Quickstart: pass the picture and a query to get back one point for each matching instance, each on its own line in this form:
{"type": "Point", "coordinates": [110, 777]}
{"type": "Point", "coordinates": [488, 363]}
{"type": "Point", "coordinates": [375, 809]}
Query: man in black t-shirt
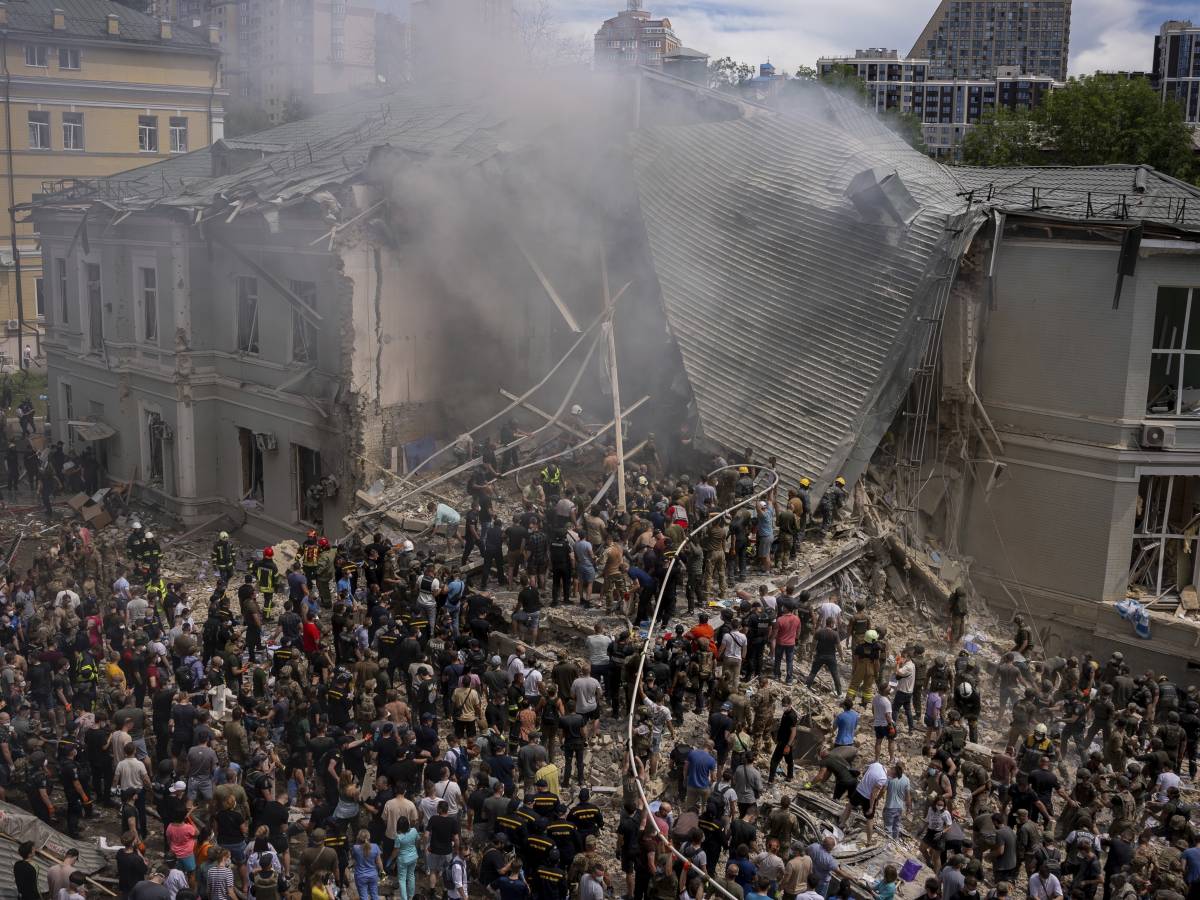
{"type": "Point", "coordinates": [442, 829]}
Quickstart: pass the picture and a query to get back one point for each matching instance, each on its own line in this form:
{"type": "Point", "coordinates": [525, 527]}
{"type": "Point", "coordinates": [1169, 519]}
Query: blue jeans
{"type": "Point", "coordinates": [406, 878]}
{"type": "Point", "coordinates": [891, 821]}
{"type": "Point", "coordinates": [368, 886]}
{"type": "Point", "coordinates": [782, 653]}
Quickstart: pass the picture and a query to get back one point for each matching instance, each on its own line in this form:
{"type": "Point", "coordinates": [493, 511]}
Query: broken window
{"type": "Point", "coordinates": [95, 306]}
{"type": "Point", "coordinates": [1174, 388]}
{"type": "Point", "coordinates": [1166, 524]}
{"type": "Point", "coordinates": [309, 493]}
{"type": "Point", "coordinates": [154, 445]}
{"type": "Point", "coordinates": [304, 334]}
{"type": "Point", "coordinates": [148, 134]}
{"type": "Point", "coordinates": [252, 465]}
{"type": "Point", "coordinates": [247, 313]}
{"type": "Point", "coordinates": [148, 283]}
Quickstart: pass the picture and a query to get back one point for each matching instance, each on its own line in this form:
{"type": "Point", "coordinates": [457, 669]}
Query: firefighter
{"type": "Point", "coordinates": [266, 574]}
{"type": "Point", "coordinates": [85, 678]}
{"type": "Point", "coordinates": [832, 502]}
{"type": "Point", "coordinates": [310, 555]}
{"type": "Point", "coordinates": [223, 557]}
{"type": "Point", "coordinates": [156, 593]}
{"type": "Point", "coordinates": [133, 543]}
{"type": "Point", "coordinates": [151, 553]}
{"type": "Point", "coordinates": [866, 668]}
{"type": "Point", "coordinates": [551, 479]}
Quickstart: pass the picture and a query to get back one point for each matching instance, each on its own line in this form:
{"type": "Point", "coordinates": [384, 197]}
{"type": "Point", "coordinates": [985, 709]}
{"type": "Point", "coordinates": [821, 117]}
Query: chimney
{"type": "Point", "coordinates": [214, 35]}
{"type": "Point", "coordinates": [59, 22]}
{"type": "Point", "coordinates": [113, 24]}
{"type": "Point", "coordinates": [4, 15]}
{"type": "Point", "coordinates": [164, 29]}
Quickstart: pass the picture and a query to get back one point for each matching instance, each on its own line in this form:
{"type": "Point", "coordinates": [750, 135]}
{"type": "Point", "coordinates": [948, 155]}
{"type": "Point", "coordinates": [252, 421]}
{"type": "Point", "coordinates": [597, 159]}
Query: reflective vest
{"type": "Point", "coordinates": [311, 556]}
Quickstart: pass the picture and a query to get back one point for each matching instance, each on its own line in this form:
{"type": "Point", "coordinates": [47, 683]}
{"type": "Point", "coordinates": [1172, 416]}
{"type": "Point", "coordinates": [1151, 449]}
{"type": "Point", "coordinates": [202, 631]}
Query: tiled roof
{"type": "Point", "coordinates": [89, 19]}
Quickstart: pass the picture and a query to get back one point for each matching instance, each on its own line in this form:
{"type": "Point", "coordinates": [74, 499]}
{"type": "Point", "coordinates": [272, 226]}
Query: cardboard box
{"type": "Point", "coordinates": [79, 501]}
{"type": "Point", "coordinates": [96, 517]}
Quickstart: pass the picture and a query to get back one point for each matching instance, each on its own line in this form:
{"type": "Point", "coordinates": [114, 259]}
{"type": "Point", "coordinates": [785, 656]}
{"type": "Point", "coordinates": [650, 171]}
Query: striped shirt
{"type": "Point", "coordinates": [220, 883]}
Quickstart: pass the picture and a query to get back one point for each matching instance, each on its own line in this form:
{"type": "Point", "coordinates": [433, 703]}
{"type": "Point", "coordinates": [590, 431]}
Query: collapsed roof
{"type": "Point", "coordinates": [801, 256]}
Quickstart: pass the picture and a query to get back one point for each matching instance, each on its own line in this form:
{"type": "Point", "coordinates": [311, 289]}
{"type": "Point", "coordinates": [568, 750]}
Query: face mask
{"type": "Point", "coordinates": [932, 771]}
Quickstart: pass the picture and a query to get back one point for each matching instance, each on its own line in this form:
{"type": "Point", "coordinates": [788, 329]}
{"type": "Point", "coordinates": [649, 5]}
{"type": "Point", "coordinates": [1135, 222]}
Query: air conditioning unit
{"type": "Point", "coordinates": [12, 325]}
{"type": "Point", "coordinates": [265, 441]}
{"type": "Point", "coordinates": [1158, 437]}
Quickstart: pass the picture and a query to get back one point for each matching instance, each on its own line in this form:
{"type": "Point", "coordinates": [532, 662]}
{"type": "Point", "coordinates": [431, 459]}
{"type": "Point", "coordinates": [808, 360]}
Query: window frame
{"type": "Point", "coordinates": [1158, 504]}
{"type": "Point", "coordinates": [95, 312]}
{"type": "Point", "coordinates": [175, 130]}
{"type": "Point", "coordinates": [147, 300]}
{"type": "Point", "coordinates": [303, 332]}
{"type": "Point", "coordinates": [39, 297]}
{"type": "Point", "coordinates": [1178, 357]}
{"type": "Point", "coordinates": [61, 276]}
{"type": "Point", "coordinates": [253, 337]}
{"type": "Point", "coordinates": [147, 134]}
{"type": "Point", "coordinates": [45, 54]}
{"type": "Point", "coordinates": [69, 51]}
{"type": "Point", "coordinates": [43, 127]}
{"type": "Point", "coordinates": [73, 126]}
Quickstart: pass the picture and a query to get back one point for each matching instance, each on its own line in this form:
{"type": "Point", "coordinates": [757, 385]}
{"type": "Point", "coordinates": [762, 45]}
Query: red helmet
{"type": "Point", "coordinates": [323, 543]}
{"type": "Point", "coordinates": [268, 552]}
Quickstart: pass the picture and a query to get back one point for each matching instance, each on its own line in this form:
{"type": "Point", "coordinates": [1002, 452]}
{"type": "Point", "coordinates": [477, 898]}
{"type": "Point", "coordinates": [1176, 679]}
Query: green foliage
{"type": "Point", "coordinates": [805, 73]}
{"type": "Point", "coordinates": [726, 75]}
{"type": "Point", "coordinates": [845, 78]}
{"type": "Point", "coordinates": [1094, 120]}
{"type": "Point", "coordinates": [243, 118]}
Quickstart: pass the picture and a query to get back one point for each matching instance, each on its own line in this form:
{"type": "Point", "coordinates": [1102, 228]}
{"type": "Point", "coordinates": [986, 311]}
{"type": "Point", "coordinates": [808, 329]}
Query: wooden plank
{"type": "Point", "coordinates": [1189, 599]}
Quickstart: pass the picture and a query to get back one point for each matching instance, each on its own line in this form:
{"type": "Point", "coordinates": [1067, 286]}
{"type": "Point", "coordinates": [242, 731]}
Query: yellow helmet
{"type": "Point", "coordinates": [840, 480]}
{"type": "Point", "coordinates": [743, 470]}
{"type": "Point", "coordinates": [805, 482]}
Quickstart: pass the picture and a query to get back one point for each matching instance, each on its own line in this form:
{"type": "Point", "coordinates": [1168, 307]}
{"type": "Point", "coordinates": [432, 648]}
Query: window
{"type": "Point", "coordinates": [35, 55]}
{"type": "Point", "coordinates": [154, 444]}
{"type": "Point", "coordinates": [179, 143]}
{"type": "Point", "coordinates": [60, 275]}
{"type": "Point", "coordinates": [39, 288]}
{"type": "Point", "coordinates": [1164, 533]}
{"type": "Point", "coordinates": [39, 131]}
{"type": "Point", "coordinates": [148, 134]}
{"type": "Point", "coordinates": [1174, 388]}
{"type": "Point", "coordinates": [72, 131]}
{"type": "Point", "coordinates": [68, 58]}
{"type": "Point", "coordinates": [309, 493]}
{"type": "Point", "coordinates": [148, 285]}
{"type": "Point", "coordinates": [68, 401]}
{"type": "Point", "coordinates": [252, 465]}
{"type": "Point", "coordinates": [95, 307]}
{"type": "Point", "coordinates": [304, 334]}
{"type": "Point", "coordinates": [247, 314]}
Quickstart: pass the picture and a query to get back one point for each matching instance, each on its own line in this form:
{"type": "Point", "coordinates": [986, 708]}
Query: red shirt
{"type": "Point", "coordinates": [787, 627]}
{"type": "Point", "coordinates": [310, 637]}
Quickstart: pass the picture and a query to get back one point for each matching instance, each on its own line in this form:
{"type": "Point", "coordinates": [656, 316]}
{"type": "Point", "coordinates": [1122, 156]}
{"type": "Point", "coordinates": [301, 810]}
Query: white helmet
{"type": "Point", "coordinates": [224, 536]}
{"type": "Point", "coordinates": [137, 526]}
{"type": "Point", "coordinates": [965, 689]}
{"type": "Point", "coordinates": [576, 409]}
{"type": "Point", "coordinates": [408, 546]}
{"type": "Point", "coordinates": [149, 535]}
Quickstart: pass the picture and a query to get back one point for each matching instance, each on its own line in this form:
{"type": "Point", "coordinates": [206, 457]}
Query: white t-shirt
{"type": "Point", "coordinates": [830, 614]}
{"type": "Point", "coordinates": [906, 677]}
{"type": "Point", "coordinates": [533, 682]}
{"type": "Point", "coordinates": [1044, 890]}
{"type": "Point", "coordinates": [874, 777]}
{"type": "Point", "coordinates": [732, 645]}
{"type": "Point", "coordinates": [1165, 781]}
{"type": "Point", "coordinates": [597, 648]}
{"type": "Point", "coordinates": [881, 706]}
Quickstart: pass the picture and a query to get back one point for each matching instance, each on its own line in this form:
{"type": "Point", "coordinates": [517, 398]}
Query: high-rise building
{"type": "Point", "coordinates": [633, 38]}
{"type": "Point", "coordinates": [94, 88]}
{"type": "Point", "coordinates": [973, 38]}
{"type": "Point", "coordinates": [946, 107]}
{"type": "Point", "coordinates": [1176, 73]}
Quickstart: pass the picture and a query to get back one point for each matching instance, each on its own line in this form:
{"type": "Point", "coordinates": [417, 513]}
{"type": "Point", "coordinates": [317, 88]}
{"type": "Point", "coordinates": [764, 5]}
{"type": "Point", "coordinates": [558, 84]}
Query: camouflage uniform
{"type": "Point", "coordinates": [763, 705]}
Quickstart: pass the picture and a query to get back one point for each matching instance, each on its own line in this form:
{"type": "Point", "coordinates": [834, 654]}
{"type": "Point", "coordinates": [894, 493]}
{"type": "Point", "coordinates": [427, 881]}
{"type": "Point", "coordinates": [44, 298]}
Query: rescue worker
{"type": "Point", "coordinates": [223, 557]}
{"type": "Point", "coordinates": [326, 556]}
{"type": "Point", "coordinates": [156, 594]}
{"type": "Point", "coordinates": [866, 668]}
{"type": "Point", "coordinates": [803, 507]}
{"type": "Point", "coordinates": [715, 537]}
{"type": "Point", "coordinates": [551, 476]}
{"type": "Point", "coordinates": [266, 574]}
{"type": "Point", "coordinates": [310, 555]}
{"type": "Point", "coordinates": [151, 553]}
{"type": "Point", "coordinates": [133, 543]}
{"type": "Point", "coordinates": [958, 614]}
{"type": "Point", "coordinates": [832, 502]}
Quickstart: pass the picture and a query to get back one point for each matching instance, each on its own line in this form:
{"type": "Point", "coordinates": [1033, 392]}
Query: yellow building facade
{"type": "Point", "coordinates": [90, 88]}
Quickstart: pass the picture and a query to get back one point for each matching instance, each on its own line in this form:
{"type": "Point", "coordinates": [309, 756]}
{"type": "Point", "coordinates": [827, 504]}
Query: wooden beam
{"type": "Point", "coordinates": [615, 383]}
{"type": "Point", "coordinates": [550, 291]}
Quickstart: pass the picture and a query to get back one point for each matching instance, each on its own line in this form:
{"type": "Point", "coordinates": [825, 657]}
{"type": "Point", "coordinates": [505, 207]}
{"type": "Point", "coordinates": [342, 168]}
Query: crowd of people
{"type": "Point", "coordinates": [369, 717]}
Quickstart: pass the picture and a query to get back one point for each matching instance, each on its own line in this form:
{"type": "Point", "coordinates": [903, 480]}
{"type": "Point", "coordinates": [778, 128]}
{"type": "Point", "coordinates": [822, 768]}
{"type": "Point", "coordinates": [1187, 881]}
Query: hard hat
{"type": "Point", "coordinates": [408, 546]}
{"type": "Point", "coordinates": [840, 480]}
{"type": "Point", "coordinates": [1041, 729]}
{"type": "Point", "coordinates": [149, 535]}
{"type": "Point", "coordinates": [805, 482]}
{"type": "Point", "coordinates": [872, 635]}
{"type": "Point", "coordinates": [323, 543]}
{"type": "Point", "coordinates": [137, 526]}
{"type": "Point", "coordinates": [224, 535]}
{"type": "Point", "coordinates": [576, 409]}
{"type": "Point", "coordinates": [743, 470]}
{"type": "Point", "coordinates": [642, 480]}
{"type": "Point", "coordinates": [268, 552]}
{"type": "Point", "coordinates": [965, 689]}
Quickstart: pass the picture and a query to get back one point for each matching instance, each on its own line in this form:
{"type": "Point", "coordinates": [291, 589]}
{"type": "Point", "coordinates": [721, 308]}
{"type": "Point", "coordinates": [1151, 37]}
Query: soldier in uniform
{"type": "Point", "coordinates": [763, 706]}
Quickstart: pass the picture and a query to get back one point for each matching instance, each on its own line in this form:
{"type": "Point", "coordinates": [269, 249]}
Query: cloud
{"type": "Point", "coordinates": [1105, 34]}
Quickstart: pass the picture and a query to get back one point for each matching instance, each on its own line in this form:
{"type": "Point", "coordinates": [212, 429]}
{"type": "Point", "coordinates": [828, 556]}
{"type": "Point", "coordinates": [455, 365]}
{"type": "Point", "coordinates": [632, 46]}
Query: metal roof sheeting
{"type": "Point", "coordinates": [797, 317]}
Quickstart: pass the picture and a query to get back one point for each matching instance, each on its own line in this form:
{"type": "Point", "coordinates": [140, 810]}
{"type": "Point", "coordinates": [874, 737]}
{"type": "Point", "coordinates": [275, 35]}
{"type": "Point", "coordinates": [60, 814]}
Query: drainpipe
{"type": "Point", "coordinates": [12, 197]}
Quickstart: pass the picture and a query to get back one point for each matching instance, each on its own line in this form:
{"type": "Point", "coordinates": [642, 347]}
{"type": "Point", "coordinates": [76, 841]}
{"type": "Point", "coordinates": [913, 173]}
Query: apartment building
{"type": "Point", "coordinates": [92, 88]}
{"type": "Point", "coordinates": [947, 108]}
{"type": "Point", "coordinates": [1176, 70]}
{"type": "Point", "coordinates": [633, 38]}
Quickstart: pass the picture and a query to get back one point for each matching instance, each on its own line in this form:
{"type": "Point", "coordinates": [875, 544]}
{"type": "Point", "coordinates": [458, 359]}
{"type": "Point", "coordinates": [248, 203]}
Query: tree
{"type": "Point", "coordinates": [726, 75]}
{"type": "Point", "coordinates": [805, 73]}
{"type": "Point", "coordinates": [1091, 121]}
{"type": "Point", "coordinates": [540, 39]}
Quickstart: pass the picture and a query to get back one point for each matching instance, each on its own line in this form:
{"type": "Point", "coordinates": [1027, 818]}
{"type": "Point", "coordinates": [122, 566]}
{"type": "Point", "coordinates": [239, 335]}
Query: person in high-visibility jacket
{"type": "Point", "coordinates": [223, 557]}
{"type": "Point", "coordinates": [156, 594]}
{"type": "Point", "coordinates": [151, 553]}
{"type": "Point", "coordinates": [266, 574]}
{"type": "Point", "coordinates": [310, 558]}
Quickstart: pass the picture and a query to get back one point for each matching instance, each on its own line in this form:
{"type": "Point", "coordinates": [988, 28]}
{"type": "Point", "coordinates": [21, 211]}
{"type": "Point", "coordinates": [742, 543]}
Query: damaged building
{"type": "Point", "coordinates": [1009, 359]}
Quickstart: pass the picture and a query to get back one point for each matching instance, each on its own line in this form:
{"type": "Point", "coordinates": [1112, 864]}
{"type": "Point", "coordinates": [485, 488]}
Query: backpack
{"type": "Point", "coordinates": [448, 873]}
{"type": "Point", "coordinates": [183, 677]}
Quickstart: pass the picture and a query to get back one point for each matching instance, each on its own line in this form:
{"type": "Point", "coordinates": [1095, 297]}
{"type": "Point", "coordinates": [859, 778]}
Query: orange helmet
{"type": "Point", "coordinates": [268, 552]}
{"type": "Point", "coordinates": [323, 543]}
